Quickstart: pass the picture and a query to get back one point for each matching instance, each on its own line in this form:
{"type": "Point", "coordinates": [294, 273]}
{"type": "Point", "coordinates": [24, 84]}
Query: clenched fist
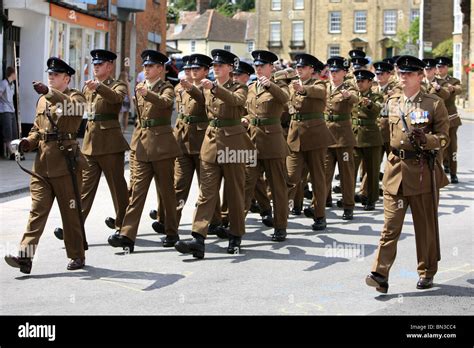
{"type": "Point", "coordinates": [40, 88]}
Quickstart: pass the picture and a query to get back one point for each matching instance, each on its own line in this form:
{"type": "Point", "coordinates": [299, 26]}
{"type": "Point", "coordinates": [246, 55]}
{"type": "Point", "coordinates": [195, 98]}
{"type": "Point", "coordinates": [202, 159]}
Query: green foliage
{"type": "Point", "coordinates": [444, 48]}
{"type": "Point", "coordinates": [225, 7]}
{"type": "Point", "coordinates": [409, 37]}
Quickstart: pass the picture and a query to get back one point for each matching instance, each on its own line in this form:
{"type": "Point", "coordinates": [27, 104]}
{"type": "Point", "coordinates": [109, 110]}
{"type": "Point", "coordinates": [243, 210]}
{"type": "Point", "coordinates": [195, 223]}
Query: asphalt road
{"type": "Point", "coordinates": [314, 273]}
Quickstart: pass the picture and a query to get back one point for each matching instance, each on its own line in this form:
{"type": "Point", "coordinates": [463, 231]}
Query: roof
{"type": "Point", "coordinates": [184, 19]}
{"type": "Point", "coordinates": [213, 26]}
{"type": "Point", "coordinates": [251, 19]}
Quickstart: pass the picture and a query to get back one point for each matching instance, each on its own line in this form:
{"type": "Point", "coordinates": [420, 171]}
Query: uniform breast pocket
{"type": "Point", "coordinates": [393, 121]}
{"type": "Point", "coordinates": [265, 104]}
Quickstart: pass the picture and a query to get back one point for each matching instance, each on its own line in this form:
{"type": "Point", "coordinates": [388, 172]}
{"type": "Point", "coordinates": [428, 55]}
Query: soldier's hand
{"type": "Point", "coordinates": [345, 94]}
{"type": "Point", "coordinates": [24, 145]}
{"type": "Point", "coordinates": [40, 88]}
{"type": "Point", "coordinates": [419, 135]}
{"type": "Point", "coordinates": [264, 81]}
{"type": "Point", "coordinates": [451, 89]}
{"type": "Point", "coordinates": [365, 101]}
{"type": "Point", "coordinates": [436, 86]}
{"type": "Point", "coordinates": [207, 84]}
{"type": "Point", "coordinates": [143, 90]}
{"type": "Point", "coordinates": [297, 85]}
{"type": "Point", "coordinates": [244, 122]}
{"type": "Point", "coordinates": [92, 84]}
{"type": "Point", "coordinates": [186, 84]}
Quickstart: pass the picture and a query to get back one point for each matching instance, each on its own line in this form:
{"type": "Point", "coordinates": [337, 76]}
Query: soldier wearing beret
{"type": "Point", "coordinates": [454, 88]}
{"type": "Point", "coordinates": [58, 161]}
{"type": "Point", "coordinates": [308, 137]}
{"type": "Point", "coordinates": [221, 156]}
{"type": "Point", "coordinates": [340, 101]}
{"type": "Point", "coordinates": [413, 175]}
{"type": "Point", "coordinates": [155, 150]}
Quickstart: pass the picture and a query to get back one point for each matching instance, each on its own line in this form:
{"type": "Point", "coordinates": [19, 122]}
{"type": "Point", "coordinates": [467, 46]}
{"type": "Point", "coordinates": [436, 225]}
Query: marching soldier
{"type": "Point", "coordinates": [265, 103]}
{"type": "Point", "coordinates": [104, 144]}
{"type": "Point", "coordinates": [341, 99]}
{"type": "Point", "coordinates": [450, 153]}
{"type": "Point", "coordinates": [413, 176]}
{"type": "Point", "coordinates": [367, 133]}
{"type": "Point", "coordinates": [308, 137]}
{"type": "Point", "coordinates": [58, 162]}
{"type": "Point", "coordinates": [155, 150]}
{"type": "Point", "coordinates": [432, 84]}
{"type": "Point", "coordinates": [225, 139]}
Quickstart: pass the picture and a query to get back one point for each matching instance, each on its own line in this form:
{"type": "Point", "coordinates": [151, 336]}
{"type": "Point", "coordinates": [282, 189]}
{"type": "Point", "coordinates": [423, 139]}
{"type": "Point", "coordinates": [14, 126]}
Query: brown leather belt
{"type": "Point", "coordinates": [56, 136]}
{"type": "Point", "coordinates": [405, 154]}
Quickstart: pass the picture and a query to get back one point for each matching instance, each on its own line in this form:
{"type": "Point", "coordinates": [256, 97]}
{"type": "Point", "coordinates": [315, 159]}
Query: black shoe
{"type": "Point", "coordinates": [348, 214]}
{"type": "Point", "coordinates": [170, 241]}
{"type": "Point", "coordinates": [158, 227]}
{"type": "Point", "coordinates": [358, 198]}
{"type": "Point", "coordinates": [369, 206]}
{"type": "Point", "coordinates": [234, 244]}
{"type": "Point", "coordinates": [153, 214]}
{"type": "Point", "coordinates": [339, 203]}
{"type": "Point", "coordinates": [120, 241]}
{"type": "Point", "coordinates": [22, 157]}
{"type": "Point", "coordinates": [308, 194]}
{"type": "Point", "coordinates": [23, 263]}
{"type": "Point", "coordinates": [337, 177]}
{"type": "Point", "coordinates": [110, 222]}
{"type": "Point", "coordinates": [377, 281]}
{"type": "Point", "coordinates": [319, 224]}
{"type": "Point", "coordinates": [76, 264]}
{"type": "Point", "coordinates": [267, 219]}
{"type": "Point", "coordinates": [454, 179]}
{"type": "Point", "coordinates": [194, 246]}
{"type": "Point", "coordinates": [424, 283]}
{"type": "Point", "coordinates": [447, 170]}
{"type": "Point", "coordinates": [329, 204]}
{"type": "Point", "coordinates": [337, 189]}
{"type": "Point", "coordinates": [309, 212]}
{"type": "Point", "coordinates": [279, 235]}
{"type": "Point", "coordinates": [225, 222]}
{"type": "Point", "coordinates": [296, 211]}
{"type": "Point", "coordinates": [59, 233]}
{"type": "Point", "coordinates": [217, 230]}
{"type": "Point", "coordinates": [254, 207]}
{"type": "Point", "coordinates": [12, 157]}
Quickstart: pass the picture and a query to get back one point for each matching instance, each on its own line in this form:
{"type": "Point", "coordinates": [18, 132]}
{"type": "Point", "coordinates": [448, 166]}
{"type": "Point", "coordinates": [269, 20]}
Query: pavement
{"type": "Point", "coordinates": [311, 273]}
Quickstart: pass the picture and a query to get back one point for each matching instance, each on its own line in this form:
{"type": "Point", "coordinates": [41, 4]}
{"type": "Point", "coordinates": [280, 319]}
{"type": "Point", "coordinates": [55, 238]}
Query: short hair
{"type": "Point", "coordinates": [9, 72]}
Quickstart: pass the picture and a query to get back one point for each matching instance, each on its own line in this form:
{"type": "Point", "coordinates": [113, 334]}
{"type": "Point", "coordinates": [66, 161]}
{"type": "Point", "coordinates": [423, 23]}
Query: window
{"type": "Point", "coordinates": [458, 17]}
{"type": "Point", "coordinates": [457, 63]}
{"type": "Point", "coordinates": [298, 4]}
{"type": "Point", "coordinates": [275, 31]}
{"type": "Point", "coordinates": [334, 0]}
{"type": "Point", "coordinates": [360, 21]}
{"type": "Point", "coordinates": [390, 21]}
{"type": "Point", "coordinates": [276, 5]}
{"type": "Point", "coordinates": [335, 22]}
{"type": "Point", "coordinates": [193, 46]}
{"type": "Point", "coordinates": [334, 50]}
{"type": "Point", "coordinates": [298, 31]}
{"type": "Point", "coordinates": [227, 48]}
{"type": "Point", "coordinates": [250, 46]}
{"type": "Point", "coordinates": [414, 14]}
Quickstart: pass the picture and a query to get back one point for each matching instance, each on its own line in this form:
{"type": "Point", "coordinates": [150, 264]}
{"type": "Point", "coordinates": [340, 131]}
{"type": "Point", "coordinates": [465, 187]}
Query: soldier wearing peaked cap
{"type": "Point", "coordinates": [242, 72]}
{"type": "Point", "coordinates": [58, 161]}
{"type": "Point", "coordinates": [154, 150]}
{"type": "Point", "coordinates": [357, 54]}
{"type": "Point", "coordinates": [413, 175]}
{"type": "Point", "coordinates": [265, 103]}
{"type": "Point", "coordinates": [433, 84]}
{"type": "Point", "coordinates": [225, 139]}
{"type": "Point", "coordinates": [340, 101]}
{"type": "Point", "coordinates": [450, 154]}
{"type": "Point", "coordinates": [308, 137]}
{"type": "Point", "coordinates": [367, 133]}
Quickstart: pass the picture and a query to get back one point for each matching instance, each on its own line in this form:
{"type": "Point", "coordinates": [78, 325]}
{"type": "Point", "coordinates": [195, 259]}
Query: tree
{"type": "Point", "coordinates": [407, 41]}
{"type": "Point", "coordinates": [444, 49]}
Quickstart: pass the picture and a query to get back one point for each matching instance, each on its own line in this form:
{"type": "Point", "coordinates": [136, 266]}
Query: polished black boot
{"type": "Point", "coordinates": [254, 207]}
{"type": "Point", "coordinates": [296, 211]}
{"type": "Point", "coordinates": [454, 179]}
{"type": "Point", "coordinates": [329, 203]}
{"type": "Point", "coordinates": [348, 214]}
{"type": "Point", "coordinates": [76, 264]}
{"type": "Point", "coordinates": [23, 263]}
{"type": "Point", "coordinates": [59, 233]}
{"type": "Point", "coordinates": [153, 214]}
{"type": "Point", "coordinates": [337, 189]}
{"type": "Point", "coordinates": [319, 224]}
{"type": "Point", "coordinates": [158, 227]}
{"type": "Point", "coordinates": [194, 246]}
{"type": "Point", "coordinates": [218, 230]}
{"type": "Point", "coordinates": [424, 283]}
{"type": "Point", "coordinates": [120, 241]}
{"type": "Point", "coordinates": [110, 222]}
{"type": "Point", "coordinates": [369, 206]}
{"type": "Point", "coordinates": [358, 198]}
{"type": "Point", "coordinates": [279, 235]}
{"type": "Point", "coordinates": [447, 170]}
{"type": "Point", "coordinates": [308, 194]}
{"type": "Point", "coordinates": [267, 218]}
{"type": "Point", "coordinates": [234, 244]}
{"type": "Point", "coordinates": [379, 282]}
{"type": "Point", "coordinates": [340, 203]}
{"type": "Point", "coordinates": [170, 241]}
{"type": "Point", "coordinates": [309, 212]}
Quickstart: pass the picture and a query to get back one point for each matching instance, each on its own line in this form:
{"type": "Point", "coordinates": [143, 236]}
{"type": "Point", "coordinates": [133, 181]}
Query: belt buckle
{"type": "Point", "coordinates": [401, 154]}
{"type": "Point", "coordinates": [187, 119]}
{"type": "Point", "coordinates": [298, 117]}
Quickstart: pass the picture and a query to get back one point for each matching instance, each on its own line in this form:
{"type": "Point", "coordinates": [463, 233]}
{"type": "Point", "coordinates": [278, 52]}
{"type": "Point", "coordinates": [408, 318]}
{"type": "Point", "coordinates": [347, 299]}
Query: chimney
{"type": "Point", "coordinates": [202, 6]}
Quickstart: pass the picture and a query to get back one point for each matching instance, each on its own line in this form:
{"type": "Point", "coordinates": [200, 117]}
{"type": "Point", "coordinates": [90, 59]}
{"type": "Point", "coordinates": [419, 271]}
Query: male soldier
{"type": "Point", "coordinates": [104, 144]}
{"type": "Point", "coordinates": [155, 150]}
{"type": "Point", "coordinates": [341, 99]}
{"type": "Point", "coordinates": [308, 137]}
{"type": "Point", "coordinates": [433, 84]}
{"type": "Point", "coordinates": [367, 134]}
{"type": "Point", "coordinates": [265, 103]}
{"type": "Point", "coordinates": [58, 161]}
{"type": "Point", "coordinates": [242, 73]}
{"type": "Point", "coordinates": [225, 139]}
{"type": "Point", "coordinates": [413, 176]}
{"type": "Point", "coordinates": [451, 152]}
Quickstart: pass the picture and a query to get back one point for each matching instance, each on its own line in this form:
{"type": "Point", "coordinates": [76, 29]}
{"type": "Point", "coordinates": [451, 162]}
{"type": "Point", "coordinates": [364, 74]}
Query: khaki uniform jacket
{"type": "Point", "coordinates": [104, 137]}
{"type": "Point", "coordinates": [50, 161]}
{"type": "Point", "coordinates": [428, 88]}
{"type": "Point", "coordinates": [338, 105]}
{"type": "Point", "coordinates": [368, 135]}
{"type": "Point", "coordinates": [411, 174]}
{"type": "Point", "coordinates": [225, 102]}
{"type": "Point", "coordinates": [155, 143]}
{"type": "Point", "coordinates": [263, 104]}
{"type": "Point", "coordinates": [311, 134]}
{"type": "Point", "coordinates": [390, 89]}
{"type": "Point", "coordinates": [191, 136]}
{"type": "Point", "coordinates": [451, 101]}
